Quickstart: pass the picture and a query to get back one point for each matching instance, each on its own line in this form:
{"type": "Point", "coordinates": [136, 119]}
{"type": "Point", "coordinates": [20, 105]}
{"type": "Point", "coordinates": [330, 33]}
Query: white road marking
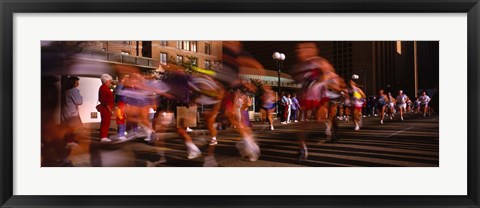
{"type": "Point", "coordinates": [398, 132]}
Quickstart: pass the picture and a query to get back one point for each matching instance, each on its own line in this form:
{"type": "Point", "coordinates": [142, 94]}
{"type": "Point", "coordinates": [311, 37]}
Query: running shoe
{"type": "Point", "coordinates": [193, 151]}
{"type": "Point", "coordinates": [105, 140]}
{"type": "Point", "coordinates": [192, 154]}
{"type": "Point", "coordinates": [213, 141]}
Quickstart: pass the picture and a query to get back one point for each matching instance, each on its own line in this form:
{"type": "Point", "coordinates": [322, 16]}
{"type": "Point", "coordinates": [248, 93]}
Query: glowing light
{"type": "Point", "coordinates": [399, 47]}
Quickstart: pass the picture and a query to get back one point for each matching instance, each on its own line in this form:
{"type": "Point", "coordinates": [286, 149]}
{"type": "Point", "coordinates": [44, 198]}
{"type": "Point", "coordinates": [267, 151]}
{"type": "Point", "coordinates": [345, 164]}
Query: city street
{"type": "Point", "coordinates": [413, 143]}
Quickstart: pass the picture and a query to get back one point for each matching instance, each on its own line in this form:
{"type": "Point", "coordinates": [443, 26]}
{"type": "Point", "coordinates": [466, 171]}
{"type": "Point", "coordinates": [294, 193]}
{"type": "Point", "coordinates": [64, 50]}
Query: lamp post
{"type": "Point", "coordinates": [278, 57]}
{"type": "Point", "coordinates": [415, 67]}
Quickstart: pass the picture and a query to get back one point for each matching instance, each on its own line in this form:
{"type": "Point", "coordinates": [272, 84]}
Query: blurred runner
{"type": "Point", "coordinates": [234, 58]}
{"type": "Point", "coordinates": [382, 104]}
{"type": "Point", "coordinates": [391, 105]}
{"type": "Point", "coordinates": [402, 103]}
{"type": "Point", "coordinates": [358, 98]}
{"type": "Point", "coordinates": [320, 84]}
{"type": "Point", "coordinates": [424, 99]}
{"type": "Point", "coordinates": [267, 103]}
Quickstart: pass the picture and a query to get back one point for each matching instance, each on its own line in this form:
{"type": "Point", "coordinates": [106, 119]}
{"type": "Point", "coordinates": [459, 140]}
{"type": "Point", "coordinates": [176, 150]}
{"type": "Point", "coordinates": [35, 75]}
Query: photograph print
{"type": "Point", "coordinates": [239, 103]}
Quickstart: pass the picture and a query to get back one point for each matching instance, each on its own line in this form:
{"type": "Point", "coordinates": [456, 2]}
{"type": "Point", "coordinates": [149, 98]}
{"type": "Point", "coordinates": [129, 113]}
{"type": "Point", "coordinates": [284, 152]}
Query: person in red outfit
{"type": "Point", "coordinates": [105, 97]}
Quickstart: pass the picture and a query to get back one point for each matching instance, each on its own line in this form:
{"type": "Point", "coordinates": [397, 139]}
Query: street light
{"type": "Point", "coordinates": [278, 57]}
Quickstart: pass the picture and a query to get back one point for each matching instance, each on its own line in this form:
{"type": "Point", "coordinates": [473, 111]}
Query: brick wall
{"type": "Point", "coordinates": [158, 47]}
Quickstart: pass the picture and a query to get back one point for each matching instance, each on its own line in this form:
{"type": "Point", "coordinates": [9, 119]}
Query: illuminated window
{"type": "Point", "coordinates": [186, 45]}
{"type": "Point", "coordinates": [125, 53]}
{"type": "Point", "coordinates": [163, 58]}
{"type": "Point", "coordinates": [194, 46]}
{"type": "Point", "coordinates": [179, 59]}
{"type": "Point", "coordinates": [399, 47]}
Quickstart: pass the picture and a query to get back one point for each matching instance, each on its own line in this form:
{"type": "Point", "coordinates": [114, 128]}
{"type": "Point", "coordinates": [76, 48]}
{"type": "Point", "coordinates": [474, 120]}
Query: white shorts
{"type": "Point", "coordinates": [404, 105]}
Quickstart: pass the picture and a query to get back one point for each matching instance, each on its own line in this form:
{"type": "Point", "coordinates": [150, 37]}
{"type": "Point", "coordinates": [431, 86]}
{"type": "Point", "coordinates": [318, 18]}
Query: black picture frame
{"type": "Point", "coordinates": [10, 7]}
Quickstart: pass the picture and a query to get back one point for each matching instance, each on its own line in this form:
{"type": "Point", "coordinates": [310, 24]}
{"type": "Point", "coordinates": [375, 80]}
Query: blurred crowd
{"type": "Point", "coordinates": [141, 103]}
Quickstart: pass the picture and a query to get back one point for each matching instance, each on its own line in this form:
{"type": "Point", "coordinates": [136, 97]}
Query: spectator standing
{"type": "Point", "coordinates": [105, 97]}
{"type": "Point", "coordinates": [289, 108]}
{"type": "Point", "coordinates": [295, 108]}
{"type": "Point", "coordinates": [70, 114]}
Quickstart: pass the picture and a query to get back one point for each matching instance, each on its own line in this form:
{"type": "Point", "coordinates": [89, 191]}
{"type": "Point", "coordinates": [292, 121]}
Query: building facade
{"type": "Point", "coordinates": [389, 65]}
{"type": "Point", "coordinates": [203, 54]}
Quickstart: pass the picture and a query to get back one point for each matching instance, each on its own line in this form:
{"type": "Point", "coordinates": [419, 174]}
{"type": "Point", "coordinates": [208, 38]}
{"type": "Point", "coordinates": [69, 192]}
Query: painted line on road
{"type": "Point", "coordinates": [398, 132]}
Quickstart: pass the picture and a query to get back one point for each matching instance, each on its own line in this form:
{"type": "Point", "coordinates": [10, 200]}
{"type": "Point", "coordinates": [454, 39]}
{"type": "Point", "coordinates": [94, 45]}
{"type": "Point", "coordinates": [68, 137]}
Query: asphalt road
{"type": "Point", "coordinates": [413, 142]}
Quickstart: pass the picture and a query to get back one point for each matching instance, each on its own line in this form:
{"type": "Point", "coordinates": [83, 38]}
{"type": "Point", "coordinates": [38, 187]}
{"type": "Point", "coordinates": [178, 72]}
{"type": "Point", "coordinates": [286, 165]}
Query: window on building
{"type": "Point", "coordinates": [179, 44]}
{"type": "Point", "coordinates": [193, 46]}
{"type": "Point", "coordinates": [194, 61]}
{"type": "Point", "coordinates": [126, 42]}
{"type": "Point", "coordinates": [207, 49]}
{"type": "Point", "coordinates": [163, 43]}
{"type": "Point", "coordinates": [125, 53]}
{"type": "Point", "coordinates": [179, 59]}
{"type": "Point", "coordinates": [163, 58]}
{"type": "Point", "coordinates": [186, 45]}
{"type": "Point", "coordinates": [207, 64]}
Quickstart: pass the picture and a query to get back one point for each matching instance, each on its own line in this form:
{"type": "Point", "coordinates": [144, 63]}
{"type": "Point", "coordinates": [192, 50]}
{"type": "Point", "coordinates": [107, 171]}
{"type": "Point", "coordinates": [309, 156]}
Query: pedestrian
{"type": "Point", "coordinates": [288, 108]}
{"type": "Point", "coordinates": [295, 108]}
{"type": "Point", "coordinates": [105, 97]}
{"type": "Point", "coordinates": [381, 104]}
{"type": "Point", "coordinates": [424, 99]}
{"type": "Point", "coordinates": [73, 99]}
{"type": "Point", "coordinates": [402, 103]}
{"type": "Point", "coordinates": [317, 77]}
{"type": "Point", "coordinates": [267, 103]}
{"type": "Point", "coordinates": [391, 105]}
{"type": "Point", "coordinates": [246, 103]}
{"type": "Point", "coordinates": [358, 98]}
{"type": "Point", "coordinates": [235, 57]}
{"type": "Point", "coordinates": [70, 116]}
